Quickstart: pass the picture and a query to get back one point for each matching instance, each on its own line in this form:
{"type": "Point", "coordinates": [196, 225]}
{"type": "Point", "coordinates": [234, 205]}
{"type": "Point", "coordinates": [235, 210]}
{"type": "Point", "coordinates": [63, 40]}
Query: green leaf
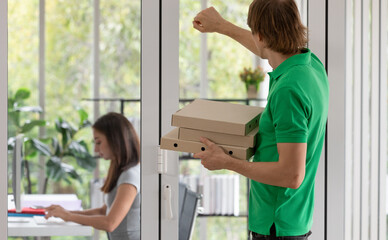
{"type": "Point", "coordinates": [22, 94]}
{"type": "Point", "coordinates": [54, 169]}
{"type": "Point", "coordinates": [58, 170]}
{"type": "Point", "coordinates": [56, 146]}
{"type": "Point", "coordinates": [65, 129]}
{"type": "Point", "coordinates": [14, 118]}
{"type": "Point", "coordinates": [70, 171]}
{"type": "Point", "coordinates": [88, 163]}
{"type": "Point", "coordinates": [11, 103]}
{"type": "Point", "coordinates": [83, 115]}
{"type": "Point", "coordinates": [40, 147]}
{"type": "Point", "coordinates": [79, 150]}
{"type": "Point", "coordinates": [31, 154]}
{"type": "Point", "coordinates": [85, 124]}
{"type": "Point", "coordinates": [31, 124]}
{"type": "Point", "coordinates": [29, 151]}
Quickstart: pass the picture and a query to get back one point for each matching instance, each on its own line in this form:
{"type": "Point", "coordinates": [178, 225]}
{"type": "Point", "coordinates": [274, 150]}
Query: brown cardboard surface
{"type": "Point", "coordinates": [216, 116]}
{"type": "Point", "coordinates": [220, 138]}
{"type": "Point", "coordinates": [170, 141]}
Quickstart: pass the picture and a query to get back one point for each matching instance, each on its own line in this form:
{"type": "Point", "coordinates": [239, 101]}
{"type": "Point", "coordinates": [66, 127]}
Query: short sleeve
{"type": "Point", "coordinates": [290, 112]}
{"type": "Point", "coordinates": [130, 176]}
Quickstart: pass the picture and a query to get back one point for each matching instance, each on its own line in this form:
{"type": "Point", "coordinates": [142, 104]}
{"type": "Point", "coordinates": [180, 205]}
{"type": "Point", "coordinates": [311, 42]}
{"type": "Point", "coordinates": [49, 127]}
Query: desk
{"type": "Point", "coordinates": [32, 229]}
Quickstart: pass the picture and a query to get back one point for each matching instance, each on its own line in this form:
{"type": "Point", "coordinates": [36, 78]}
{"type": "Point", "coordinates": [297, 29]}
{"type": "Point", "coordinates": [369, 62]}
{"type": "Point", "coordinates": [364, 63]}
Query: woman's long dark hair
{"type": "Point", "coordinates": [123, 142]}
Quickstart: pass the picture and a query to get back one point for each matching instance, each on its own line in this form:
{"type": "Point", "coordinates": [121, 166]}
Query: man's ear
{"type": "Point", "coordinates": [257, 37]}
{"type": "Point", "coordinates": [260, 38]}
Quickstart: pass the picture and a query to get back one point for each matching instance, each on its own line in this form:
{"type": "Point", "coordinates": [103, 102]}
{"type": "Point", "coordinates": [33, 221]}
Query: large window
{"type": "Point", "coordinates": [68, 66]}
{"type": "Point", "coordinates": [120, 53]}
{"type": "Point", "coordinates": [223, 57]}
{"type": "Point", "coordinates": [55, 54]}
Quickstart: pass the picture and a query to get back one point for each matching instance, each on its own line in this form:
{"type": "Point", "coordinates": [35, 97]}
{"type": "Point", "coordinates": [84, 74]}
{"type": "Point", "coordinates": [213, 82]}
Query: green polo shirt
{"type": "Point", "coordinates": [296, 112]}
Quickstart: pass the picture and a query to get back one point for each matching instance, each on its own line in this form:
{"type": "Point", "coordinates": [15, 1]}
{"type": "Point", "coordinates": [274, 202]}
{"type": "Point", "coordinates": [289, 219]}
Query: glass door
{"type": "Point", "coordinates": [210, 67]}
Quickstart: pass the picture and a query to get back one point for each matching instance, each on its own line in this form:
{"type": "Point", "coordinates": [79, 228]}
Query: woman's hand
{"type": "Point", "coordinates": [57, 211]}
{"type": "Point", "coordinates": [214, 157]}
{"type": "Point", "coordinates": [209, 20]}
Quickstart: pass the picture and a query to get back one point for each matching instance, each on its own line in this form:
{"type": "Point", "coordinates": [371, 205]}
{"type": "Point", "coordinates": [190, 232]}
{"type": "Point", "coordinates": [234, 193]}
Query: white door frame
{"type": "Point", "coordinates": [4, 116]}
{"type": "Point", "coordinates": [316, 11]}
{"type": "Point", "coordinates": [159, 99]}
{"type": "Point", "coordinates": [169, 105]}
{"type": "Point", "coordinates": [149, 130]}
{"type": "Point", "coordinates": [336, 67]}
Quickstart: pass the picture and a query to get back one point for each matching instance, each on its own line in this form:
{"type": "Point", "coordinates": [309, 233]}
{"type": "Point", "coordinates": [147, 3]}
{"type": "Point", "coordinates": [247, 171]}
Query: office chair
{"type": "Point", "coordinates": [188, 201]}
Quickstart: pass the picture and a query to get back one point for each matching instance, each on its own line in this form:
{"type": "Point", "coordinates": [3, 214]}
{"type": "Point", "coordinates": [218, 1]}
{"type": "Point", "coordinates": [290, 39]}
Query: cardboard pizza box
{"type": "Point", "coordinates": [219, 138]}
{"type": "Point", "coordinates": [217, 116]}
{"type": "Point", "coordinates": [170, 141]}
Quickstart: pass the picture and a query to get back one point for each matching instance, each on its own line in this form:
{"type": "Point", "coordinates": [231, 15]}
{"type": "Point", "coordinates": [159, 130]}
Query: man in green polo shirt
{"type": "Point", "coordinates": [292, 126]}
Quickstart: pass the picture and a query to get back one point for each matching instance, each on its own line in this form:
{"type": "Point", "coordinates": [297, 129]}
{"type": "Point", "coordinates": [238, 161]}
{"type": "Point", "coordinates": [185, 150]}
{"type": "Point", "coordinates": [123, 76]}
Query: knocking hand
{"type": "Point", "coordinates": [208, 20]}
{"type": "Point", "coordinates": [214, 157]}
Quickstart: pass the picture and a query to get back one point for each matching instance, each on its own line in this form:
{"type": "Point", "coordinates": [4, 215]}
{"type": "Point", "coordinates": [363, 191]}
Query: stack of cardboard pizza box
{"type": "Point", "coordinates": [232, 126]}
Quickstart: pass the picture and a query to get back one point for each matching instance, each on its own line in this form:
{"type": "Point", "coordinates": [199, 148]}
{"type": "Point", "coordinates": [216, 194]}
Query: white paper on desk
{"type": "Point", "coordinates": [19, 219]}
{"type": "Point", "coordinates": [67, 201]}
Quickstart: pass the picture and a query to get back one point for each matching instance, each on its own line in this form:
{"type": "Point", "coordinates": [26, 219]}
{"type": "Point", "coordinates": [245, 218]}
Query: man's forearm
{"type": "Point", "coordinates": [241, 35]}
{"type": "Point", "coordinates": [272, 173]}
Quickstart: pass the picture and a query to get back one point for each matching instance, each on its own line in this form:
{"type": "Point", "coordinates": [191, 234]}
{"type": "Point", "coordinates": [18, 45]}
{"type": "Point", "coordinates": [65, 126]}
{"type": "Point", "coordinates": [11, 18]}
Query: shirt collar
{"type": "Point", "coordinates": [298, 59]}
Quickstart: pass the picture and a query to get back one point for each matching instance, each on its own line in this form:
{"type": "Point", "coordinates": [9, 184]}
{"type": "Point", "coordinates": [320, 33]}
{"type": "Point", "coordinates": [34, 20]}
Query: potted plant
{"type": "Point", "coordinates": [252, 80]}
{"type": "Point", "coordinates": [24, 119]}
{"type": "Point", "coordinates": [63, 151]}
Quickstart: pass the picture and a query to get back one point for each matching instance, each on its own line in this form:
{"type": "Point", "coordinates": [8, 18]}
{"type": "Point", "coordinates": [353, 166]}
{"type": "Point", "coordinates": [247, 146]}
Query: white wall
{"type": "Point", "coordinates": [336, 120]}
{"type": "Point", "coordinates": [149, 119]}
{"type": "Point", "coordinates": [3, 118]}
{"type": "Point", "coordinates": [317, 44]}
{"type": "Point", "coordinates": [169, 105]}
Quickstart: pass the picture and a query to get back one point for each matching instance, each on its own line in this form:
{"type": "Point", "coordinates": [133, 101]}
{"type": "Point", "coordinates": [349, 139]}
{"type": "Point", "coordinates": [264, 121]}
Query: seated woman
{"type": "Point", "coordinates": [115, 140]}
